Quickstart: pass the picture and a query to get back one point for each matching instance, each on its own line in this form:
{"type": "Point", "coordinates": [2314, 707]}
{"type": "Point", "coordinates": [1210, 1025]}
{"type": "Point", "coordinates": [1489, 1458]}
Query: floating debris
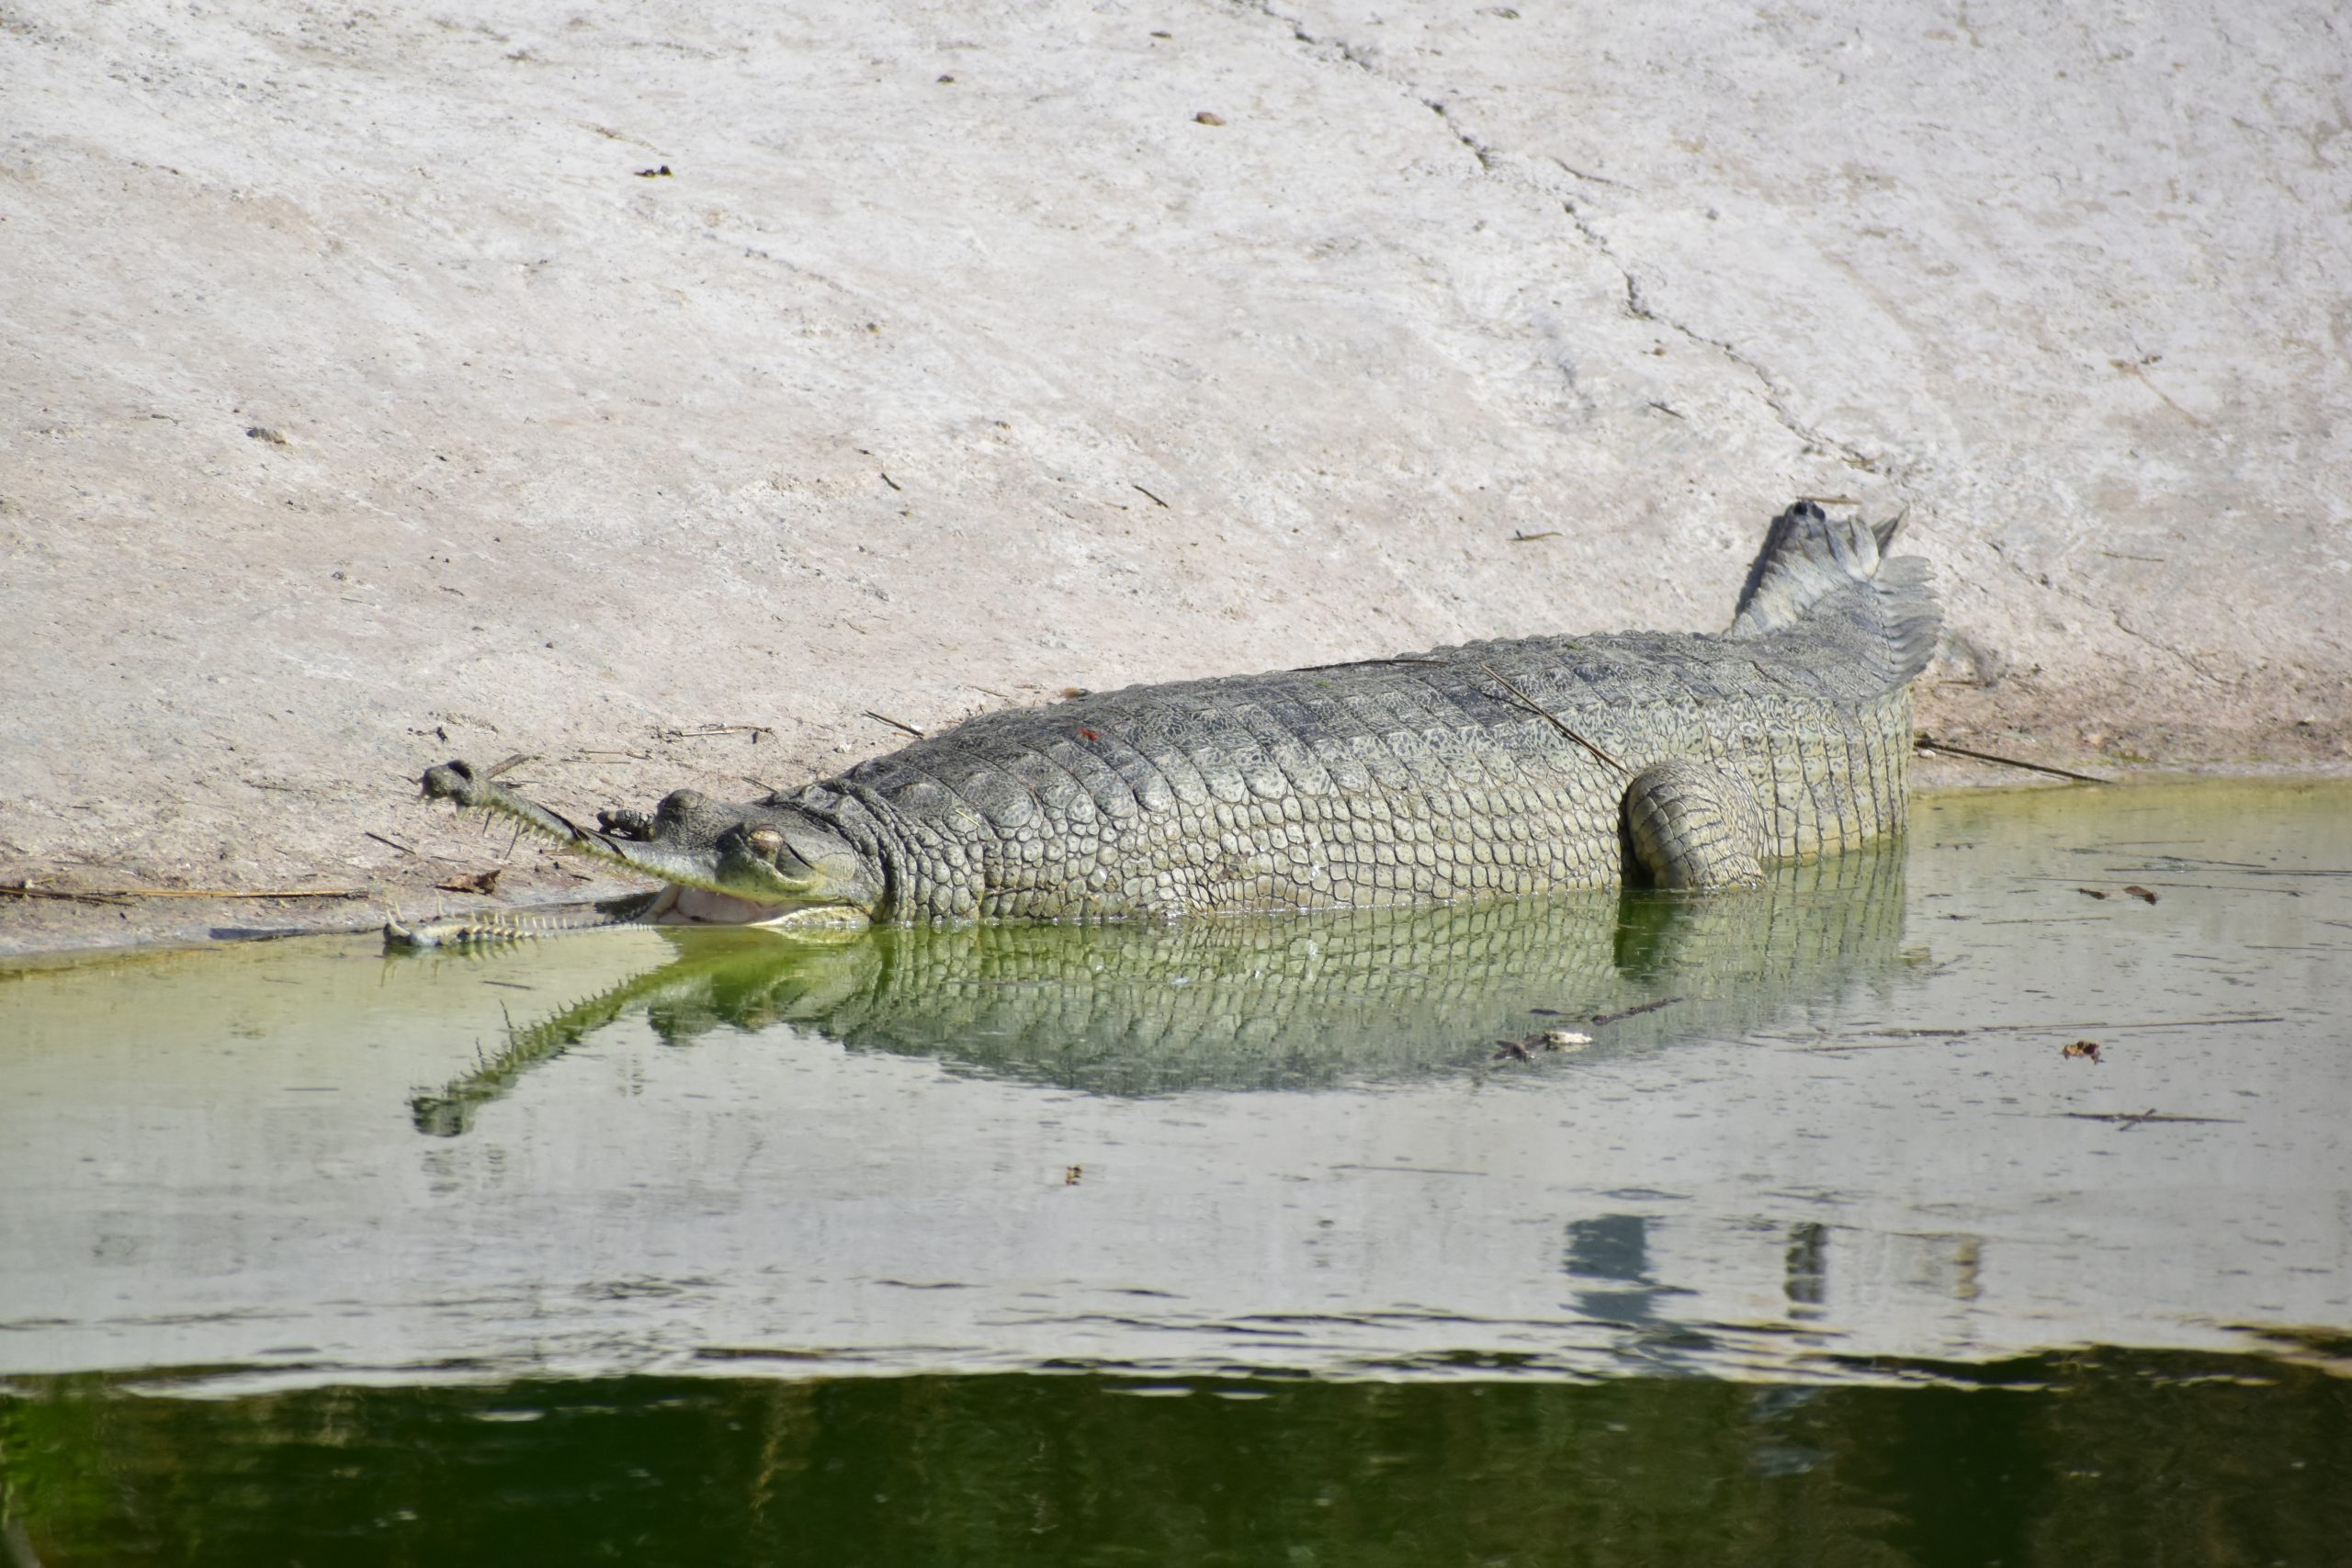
{"type": "Point", "coordinates": [2128, 1120]}
{"type": "Point", "coordinates": [1524, 1048]}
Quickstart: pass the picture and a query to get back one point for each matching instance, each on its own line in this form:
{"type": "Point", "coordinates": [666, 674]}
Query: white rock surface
{"type": "Point", "coordinates": [370, 396]}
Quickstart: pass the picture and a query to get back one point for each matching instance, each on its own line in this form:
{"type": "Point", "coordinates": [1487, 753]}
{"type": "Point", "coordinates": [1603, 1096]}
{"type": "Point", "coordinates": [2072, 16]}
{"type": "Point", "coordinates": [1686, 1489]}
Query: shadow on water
{"type": "Point", "coordinates": [2093, 1457]}
{"type": "Point", "coordinates": [1258, 1002]}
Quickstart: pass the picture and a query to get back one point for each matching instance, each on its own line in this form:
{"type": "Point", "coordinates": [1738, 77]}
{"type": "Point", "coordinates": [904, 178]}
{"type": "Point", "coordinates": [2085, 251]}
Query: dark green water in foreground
{"type": "Point", "coordinates": [2094, 1458]}
{"type": "Point", "coordinates": [1229, 1245]}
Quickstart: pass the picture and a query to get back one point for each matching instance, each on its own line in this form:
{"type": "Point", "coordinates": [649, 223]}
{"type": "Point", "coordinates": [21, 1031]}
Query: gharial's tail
{"type": "Point", "coordinates": [1812, 568]}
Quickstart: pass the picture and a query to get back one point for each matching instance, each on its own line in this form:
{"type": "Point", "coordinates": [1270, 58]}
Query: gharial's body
{"type": "Point", "coordinates": [1491, 769]}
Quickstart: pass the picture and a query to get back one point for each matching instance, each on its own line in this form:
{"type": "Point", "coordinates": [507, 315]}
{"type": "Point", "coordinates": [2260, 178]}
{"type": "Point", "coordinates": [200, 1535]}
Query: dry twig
{"type": "Point", "coordinates": [1923, 741]}
{"type": "Point", "coordinates": [26, 890]}
{"type": "Point", "coordinates": [2128, 1120]}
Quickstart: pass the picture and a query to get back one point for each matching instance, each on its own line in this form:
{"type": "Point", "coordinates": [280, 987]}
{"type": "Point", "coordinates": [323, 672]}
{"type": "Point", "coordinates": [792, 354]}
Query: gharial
{"type": "Point", "coordinates": [1493, 769]}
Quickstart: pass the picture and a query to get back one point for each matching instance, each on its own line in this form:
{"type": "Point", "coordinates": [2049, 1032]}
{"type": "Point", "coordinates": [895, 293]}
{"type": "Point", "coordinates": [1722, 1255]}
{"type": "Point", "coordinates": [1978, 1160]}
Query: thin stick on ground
{"type": "Point", "coordinates": [1548, 717]}
{"type": "Point", "coordinates": [1923, 741]}
{"type": "Point", "coordinates": [123, 895]}
{"type": "Point", "coordinates": [705, 731]}
{"type": "Point", "coordinates": [28, 890]}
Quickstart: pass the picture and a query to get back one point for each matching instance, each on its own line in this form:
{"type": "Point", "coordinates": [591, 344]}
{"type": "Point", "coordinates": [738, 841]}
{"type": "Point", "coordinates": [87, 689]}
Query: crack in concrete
{"type": "Point", "coordinates": [1491, 164]}
{"type": "Point", "coordinates": [1769, 394]}
{"type": "Point", "coordinates": [2114, 614]}
{"type": "Point", "coordinates": [1588, 178]}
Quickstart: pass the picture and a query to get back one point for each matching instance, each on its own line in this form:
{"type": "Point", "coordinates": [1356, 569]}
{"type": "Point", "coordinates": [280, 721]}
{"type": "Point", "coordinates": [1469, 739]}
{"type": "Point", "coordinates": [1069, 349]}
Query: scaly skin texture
{"type": "Point", "coordinates": [1487, 770]}
{"type": "Point", "coordinates": [1373, 784]}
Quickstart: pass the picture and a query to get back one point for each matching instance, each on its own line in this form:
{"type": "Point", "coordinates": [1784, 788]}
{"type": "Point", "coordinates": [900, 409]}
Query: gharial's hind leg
{"type": "Point", "coordinates": [1695, 826]}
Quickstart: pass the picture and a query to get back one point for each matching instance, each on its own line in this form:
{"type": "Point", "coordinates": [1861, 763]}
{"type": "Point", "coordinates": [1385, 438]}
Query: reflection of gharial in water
{"type": "Point", "coordinates": [1270, 1001]}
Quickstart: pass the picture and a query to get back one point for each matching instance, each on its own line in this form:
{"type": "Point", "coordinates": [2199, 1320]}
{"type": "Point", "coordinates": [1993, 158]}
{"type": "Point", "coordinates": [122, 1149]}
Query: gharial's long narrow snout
{"type": "Point", "coordinates": [468, 785]}
{"type": "Point", "coordinates": [779, 860]}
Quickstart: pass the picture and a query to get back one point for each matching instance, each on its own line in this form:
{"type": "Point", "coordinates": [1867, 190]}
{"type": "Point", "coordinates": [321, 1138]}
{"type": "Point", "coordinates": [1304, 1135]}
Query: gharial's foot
{"type": "Point", "coordinates": [1695, 826]}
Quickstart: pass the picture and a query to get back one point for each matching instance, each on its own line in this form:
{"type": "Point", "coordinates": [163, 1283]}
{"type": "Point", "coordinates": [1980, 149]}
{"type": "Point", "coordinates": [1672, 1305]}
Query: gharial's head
{"type": "Point", "coordinates": [728, 865]}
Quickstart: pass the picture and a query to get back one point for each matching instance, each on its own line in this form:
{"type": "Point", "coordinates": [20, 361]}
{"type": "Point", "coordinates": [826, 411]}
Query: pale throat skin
{"type": "Point", "coordinates": [1490, 769]}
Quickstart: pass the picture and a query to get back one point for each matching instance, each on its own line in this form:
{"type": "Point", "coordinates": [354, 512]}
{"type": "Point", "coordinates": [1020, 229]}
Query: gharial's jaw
{"type": "Point", "coordinates": [778, 860]}
{"type": "Point", "coordinates": [468, 786]}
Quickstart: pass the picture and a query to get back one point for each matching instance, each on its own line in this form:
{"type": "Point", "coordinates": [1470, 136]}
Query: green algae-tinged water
{"type": "Point", "coordinates": [1234, 1244]}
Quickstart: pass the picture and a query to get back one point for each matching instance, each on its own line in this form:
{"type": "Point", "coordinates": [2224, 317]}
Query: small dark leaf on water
{"type": "Point", "coordinates": [1205, 118]}
{"type": "Point", "coordinates": [2094, 892]}
{"type": "Point", "coordinates": [472, 881]}
{"type": "Point", "coordinates": [2139, 892]}
{"type": "Point", "coordinates": [1073, 1176]}
{"type": "Point", "coordinates": [662, 172]}
{"type": "Point", "coordinates": [2084, 1048]}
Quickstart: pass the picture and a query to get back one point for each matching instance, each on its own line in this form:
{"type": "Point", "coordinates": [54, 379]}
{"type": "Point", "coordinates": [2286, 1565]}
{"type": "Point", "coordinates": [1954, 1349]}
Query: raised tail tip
{"type": "Point", "coordinates": [1807, 557]}
{"type": "Point", "coordinates": [1813, 564]}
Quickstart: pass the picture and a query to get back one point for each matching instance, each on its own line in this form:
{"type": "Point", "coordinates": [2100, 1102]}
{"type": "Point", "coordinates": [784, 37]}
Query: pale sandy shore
{"type": "Point", "coordinates": [662, 396]}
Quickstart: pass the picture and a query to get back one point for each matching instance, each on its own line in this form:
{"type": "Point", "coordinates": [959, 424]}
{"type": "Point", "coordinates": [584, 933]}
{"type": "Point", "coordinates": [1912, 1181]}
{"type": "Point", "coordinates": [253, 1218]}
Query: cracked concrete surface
{"type": "Point", "coordinates": [371, 395]}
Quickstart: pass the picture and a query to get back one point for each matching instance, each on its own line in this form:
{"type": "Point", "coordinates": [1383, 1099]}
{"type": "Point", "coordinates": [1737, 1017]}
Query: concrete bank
{"type": "Point", "coordinates": [664, 398]}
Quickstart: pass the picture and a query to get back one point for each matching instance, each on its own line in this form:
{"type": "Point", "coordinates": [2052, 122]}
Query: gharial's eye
{"type": "Point", "coordinates": [767, 840]}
